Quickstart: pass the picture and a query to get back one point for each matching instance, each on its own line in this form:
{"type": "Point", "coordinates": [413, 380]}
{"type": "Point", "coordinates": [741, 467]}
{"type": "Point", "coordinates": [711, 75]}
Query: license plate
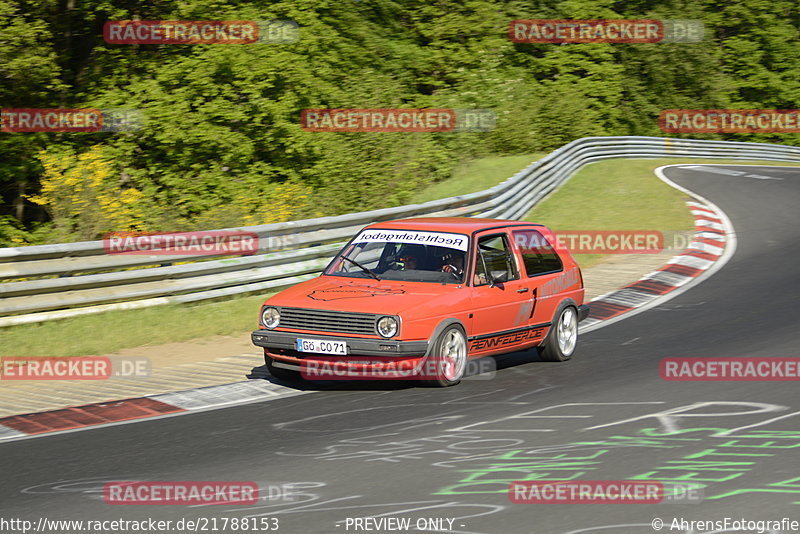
{"type": "Point", "coordinates": [320, 346]}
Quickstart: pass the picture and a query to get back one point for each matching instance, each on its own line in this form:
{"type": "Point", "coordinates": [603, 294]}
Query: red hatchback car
{"type": "Point", "coordinates": [417, 298]}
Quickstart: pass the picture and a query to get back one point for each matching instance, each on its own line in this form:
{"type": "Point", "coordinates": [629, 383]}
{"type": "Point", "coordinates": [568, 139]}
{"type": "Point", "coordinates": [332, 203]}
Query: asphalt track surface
{"type": "Point", "coordinates": [388, 450]}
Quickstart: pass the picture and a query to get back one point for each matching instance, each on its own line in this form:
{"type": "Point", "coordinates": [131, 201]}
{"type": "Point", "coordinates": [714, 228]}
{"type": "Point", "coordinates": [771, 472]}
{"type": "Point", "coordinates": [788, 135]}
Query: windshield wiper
{"type": "Point", "coordinates": [354, 262]}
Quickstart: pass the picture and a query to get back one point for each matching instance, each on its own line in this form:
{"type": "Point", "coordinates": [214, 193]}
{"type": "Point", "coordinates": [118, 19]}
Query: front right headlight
{"type": "Point", "coordinates": [387, 326]}
{"type": "Point", "coordinates": [270, 317]}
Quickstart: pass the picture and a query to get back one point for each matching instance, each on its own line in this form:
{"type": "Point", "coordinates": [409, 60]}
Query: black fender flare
{"type": "Point", "coordinates": [443, 324]}
{"type": "Point", "coordinates": [561, 305]}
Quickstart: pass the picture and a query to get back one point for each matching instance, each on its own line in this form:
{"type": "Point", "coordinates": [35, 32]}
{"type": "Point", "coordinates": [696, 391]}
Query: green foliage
{"type": "Point", "coordinates": [85, 198]}
{"type": "Point", "coordinates": [222, 144]}
{"type": "Point", "coordinates": [11, 233]}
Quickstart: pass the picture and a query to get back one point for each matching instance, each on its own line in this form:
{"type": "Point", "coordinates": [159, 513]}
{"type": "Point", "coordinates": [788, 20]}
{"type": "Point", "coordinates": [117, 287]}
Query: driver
{"type": "Point", "coordinates": [453, 263]}
{"type": "Point", "coordinates": [408, 258]}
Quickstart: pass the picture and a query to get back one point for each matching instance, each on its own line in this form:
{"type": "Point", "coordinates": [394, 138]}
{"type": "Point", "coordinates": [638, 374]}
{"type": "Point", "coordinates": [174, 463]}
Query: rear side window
{"type": "Point", "coordinates": [538, 254]}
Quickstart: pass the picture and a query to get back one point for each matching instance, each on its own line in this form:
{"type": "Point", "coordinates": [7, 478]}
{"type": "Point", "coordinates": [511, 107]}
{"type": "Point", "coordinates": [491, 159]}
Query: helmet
{"type": "Point", "coordinates": [410, 253]}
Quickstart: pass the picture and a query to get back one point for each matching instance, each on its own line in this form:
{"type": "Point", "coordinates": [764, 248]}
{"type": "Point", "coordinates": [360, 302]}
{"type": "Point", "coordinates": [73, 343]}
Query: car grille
{"type": "Point", "coordinates": [328, 321]}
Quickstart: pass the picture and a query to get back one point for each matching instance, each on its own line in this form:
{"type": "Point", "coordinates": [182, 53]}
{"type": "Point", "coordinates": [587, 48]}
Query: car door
{"type": "Point", "coordinates": [502, 307]}
{"type": "Point", "coordinates": [543, 271]}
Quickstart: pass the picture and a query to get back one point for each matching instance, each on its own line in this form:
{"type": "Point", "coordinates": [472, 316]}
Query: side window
{"type": "Point", "coordinates": [538, 254]}
{"type": "Point", "coordinates": [495, 256]}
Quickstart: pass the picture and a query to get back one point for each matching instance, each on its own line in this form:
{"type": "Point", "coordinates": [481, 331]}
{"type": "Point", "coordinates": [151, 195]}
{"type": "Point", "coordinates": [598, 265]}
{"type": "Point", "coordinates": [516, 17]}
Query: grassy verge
{"type": "Point", "coordinates": [110, 331]}
{"type": "Point", "coordinates": [608, 195]}
{"type": "Point", "coordinates": [619, 194]}
{"type": "Point", "coordinates": [477, 175]}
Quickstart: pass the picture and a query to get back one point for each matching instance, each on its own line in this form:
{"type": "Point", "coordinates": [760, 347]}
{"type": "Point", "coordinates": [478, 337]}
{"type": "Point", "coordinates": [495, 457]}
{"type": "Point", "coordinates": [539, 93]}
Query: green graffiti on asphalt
{"type": "Point", "coordinates": [722, 462]}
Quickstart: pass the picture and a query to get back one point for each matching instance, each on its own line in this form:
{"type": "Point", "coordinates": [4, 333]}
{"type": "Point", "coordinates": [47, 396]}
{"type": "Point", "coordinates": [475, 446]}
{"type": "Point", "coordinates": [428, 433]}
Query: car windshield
{"type": "Point", "coordinates": [412, 256]}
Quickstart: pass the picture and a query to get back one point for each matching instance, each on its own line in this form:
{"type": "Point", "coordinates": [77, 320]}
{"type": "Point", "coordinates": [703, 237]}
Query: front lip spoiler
{"type": "Point", "coordinates": [387, 366]}
{"type": "Point", "coordinates": [272, 339]}
{"type": "Point", "coordinates": [583, 312]}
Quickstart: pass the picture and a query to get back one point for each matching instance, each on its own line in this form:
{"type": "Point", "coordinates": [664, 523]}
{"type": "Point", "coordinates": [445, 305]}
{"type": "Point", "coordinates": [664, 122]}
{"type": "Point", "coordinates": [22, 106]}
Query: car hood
{"type": "Point", "coordinates": [360, 295]}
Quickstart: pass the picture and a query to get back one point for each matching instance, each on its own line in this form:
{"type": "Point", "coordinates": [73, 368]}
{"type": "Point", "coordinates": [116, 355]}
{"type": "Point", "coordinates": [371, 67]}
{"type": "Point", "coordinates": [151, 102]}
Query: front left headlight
{"type": "Point", "coordinates": [270, 317]}
{"type": "Point", "coordinates": [387, 326]}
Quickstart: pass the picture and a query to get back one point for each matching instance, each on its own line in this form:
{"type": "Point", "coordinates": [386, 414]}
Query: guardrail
{"type": "Point", "coordinates": [85, 286]}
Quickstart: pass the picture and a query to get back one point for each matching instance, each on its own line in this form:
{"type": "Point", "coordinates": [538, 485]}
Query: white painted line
{"type": "Point", "coordinates": [772, 167]}
{"type": "Point", "coordinates": [224, 395]}
{"type": "Point", "coordinates": [691, 261]}
{"type": "Point", "coordinates": [705, 247]}
{"type": "Point", "coordinates": [717, 170]}
{"type": "Point", "coordinates": [629, 297]}
{"type": "Point", "coordinates": [590, 321]}
{"type": "Point", "coordinates": [719, 234]}
{"type": "Point", "coordinates": [7, 433]}
{"type": "Point", "coordinates": [716, 236]}
{"type": "Point", "coordinates": [709, 224]}
{"type": "Point", "coordinates": [704, 215]}
{"type": "Point", "coordinates": [670, 279]}
{"type": "Point", "coordinates": [762, 177]}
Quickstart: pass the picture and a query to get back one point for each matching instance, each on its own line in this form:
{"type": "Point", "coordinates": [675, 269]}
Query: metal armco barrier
{"type": "Point", "coordinates": [290, 252]}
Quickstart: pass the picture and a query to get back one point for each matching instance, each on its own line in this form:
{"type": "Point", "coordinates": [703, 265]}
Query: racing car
{"type": "Point", "coordinates": [418, 298]}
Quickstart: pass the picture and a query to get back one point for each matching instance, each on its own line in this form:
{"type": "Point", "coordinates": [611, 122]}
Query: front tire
{"type": "Point", "coordinates": [448, 358]}
{"type": "Point", "coordinates": [560, 343]}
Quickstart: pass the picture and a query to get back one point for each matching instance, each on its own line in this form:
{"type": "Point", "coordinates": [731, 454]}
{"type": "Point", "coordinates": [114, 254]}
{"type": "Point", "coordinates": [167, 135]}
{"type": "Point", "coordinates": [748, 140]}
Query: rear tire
{"type": "Point", "coordinates": [448, 358]}
{"type": "Point", "coordinates": [561, 340]}
{"type": "Point", "coordinates": [286, 375]}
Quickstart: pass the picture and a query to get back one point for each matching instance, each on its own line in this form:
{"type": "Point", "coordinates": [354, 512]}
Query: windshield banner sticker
{"type": "Point", "coordinates": [456, 241]}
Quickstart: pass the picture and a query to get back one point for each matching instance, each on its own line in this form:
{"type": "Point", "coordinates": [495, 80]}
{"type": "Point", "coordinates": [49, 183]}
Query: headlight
{"type": "Point", "coordinates": [387, 326]}
{"type": "Point", "coordinates": [270, 317]}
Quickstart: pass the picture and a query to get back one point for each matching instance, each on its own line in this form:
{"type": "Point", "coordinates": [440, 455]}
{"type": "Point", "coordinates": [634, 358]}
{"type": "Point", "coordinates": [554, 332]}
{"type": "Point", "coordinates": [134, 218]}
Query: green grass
{"type": "Point", "coordinates": [477, 175]}
{"type": "Point", "coordinates": [107, 332]}
{"type": "Point", "coordinates": [608, 195]}
{"type": "Point", "coordinates": [618, 194]}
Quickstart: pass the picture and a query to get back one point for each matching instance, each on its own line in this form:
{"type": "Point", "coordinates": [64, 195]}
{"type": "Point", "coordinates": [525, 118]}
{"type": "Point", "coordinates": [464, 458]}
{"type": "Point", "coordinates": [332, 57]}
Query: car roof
{"type": "Point", "coordinates": [459, 225]}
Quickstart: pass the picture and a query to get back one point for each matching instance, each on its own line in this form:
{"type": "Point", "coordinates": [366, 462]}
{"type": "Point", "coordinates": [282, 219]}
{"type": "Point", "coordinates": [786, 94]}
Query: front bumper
{"type": "Point", "coordinates": [583, 312]}
{"type": "Point", "coordinates": [272, 339]}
